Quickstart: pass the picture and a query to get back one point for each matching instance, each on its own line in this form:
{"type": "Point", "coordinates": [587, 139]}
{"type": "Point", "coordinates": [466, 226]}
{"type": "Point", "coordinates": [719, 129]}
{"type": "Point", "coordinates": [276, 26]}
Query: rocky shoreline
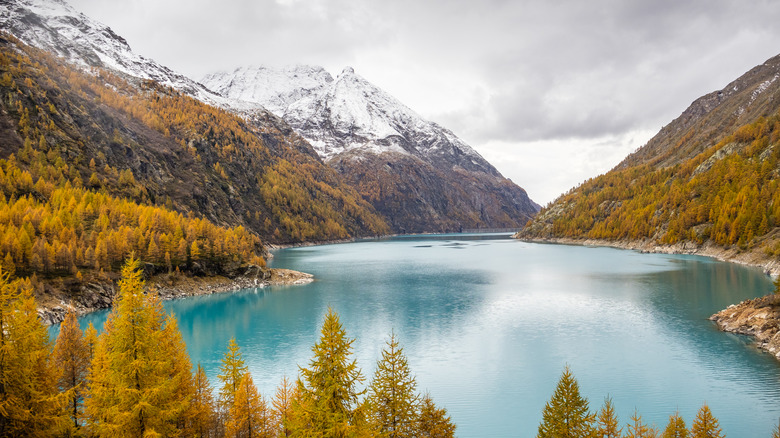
{"type": "Point", "coordinates": [770, 265]}
{"type": "Point", "coordinates": [758, 318]}
{"type": "Point", "coordinates": [94, 296]}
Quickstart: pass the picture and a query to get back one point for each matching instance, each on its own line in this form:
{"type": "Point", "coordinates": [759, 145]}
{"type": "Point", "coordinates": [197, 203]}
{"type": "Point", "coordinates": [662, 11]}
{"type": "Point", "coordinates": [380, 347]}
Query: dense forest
{"type": "Point", "coordinates": [151, 144]}
{"type": "Point", "coordinates": [136, 379]}
{"type": "Point", "coordinates": [95, 167]}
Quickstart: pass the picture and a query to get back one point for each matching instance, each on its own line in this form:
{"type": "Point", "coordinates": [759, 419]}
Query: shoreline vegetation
{"type": "Point", "coordinates": [758, 318]}
{"type": "Point", "coordinates": [136, 379]}
{"type": "Point", "coordinates": [99, 295]}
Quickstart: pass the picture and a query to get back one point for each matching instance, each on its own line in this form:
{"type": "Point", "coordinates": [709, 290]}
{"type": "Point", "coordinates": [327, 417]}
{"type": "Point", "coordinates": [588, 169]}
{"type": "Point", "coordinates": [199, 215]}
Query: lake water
{"type": "Point", "coordinates": [488, 324]}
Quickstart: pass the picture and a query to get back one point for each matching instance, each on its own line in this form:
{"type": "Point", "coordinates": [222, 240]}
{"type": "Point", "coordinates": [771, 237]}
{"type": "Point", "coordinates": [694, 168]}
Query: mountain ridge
{"type": "Point", "coordinates": [696, 127]}
{"type": "Point", "coordinates": [55, 26]}
{"type": "Point", "coordinates": [371, 138]}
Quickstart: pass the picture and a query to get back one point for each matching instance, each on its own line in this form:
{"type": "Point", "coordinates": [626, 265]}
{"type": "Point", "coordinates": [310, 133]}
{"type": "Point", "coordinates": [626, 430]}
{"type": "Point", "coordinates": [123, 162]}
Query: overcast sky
{"type": "Point", "coordinates": [552, 92]}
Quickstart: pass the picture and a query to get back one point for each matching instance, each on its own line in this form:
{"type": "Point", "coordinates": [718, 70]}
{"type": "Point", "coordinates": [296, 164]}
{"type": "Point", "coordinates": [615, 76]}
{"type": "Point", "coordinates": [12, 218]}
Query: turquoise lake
{"type": "Point", "coordinates": [488, 323]}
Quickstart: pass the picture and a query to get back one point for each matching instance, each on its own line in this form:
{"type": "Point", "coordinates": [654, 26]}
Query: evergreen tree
{"type": "Point", "coordinates": [90, 339]}
{"type": "Point", "coordinates": [566, 415]}
{"type": "Point", "coordinates": [282, 402]}
{"type": "Point", "coordinates": [329, 394]}
{"type": "Point", "coordinates": [99, 396]}
{"type": "Point", "coordinates": [72, 356]}
{"type": "Point", "coordinates": [392, 396]}
{"type": "Point", "coordinates": [249, 415]}
{"type": "Point", "coordinates": [433, 422]}
{"type": "Point", "coordinates": [607, 424]}
{"type": "Point", "coordinates": [232, 371]}
{"type": "Point", "coordinates": [638, 429]}
{"type": "Point", "coordinates": [705, 425]}
{"type": "Point", "coordinates": [139, 369]}
{"type": "Point", "coordinates": [29, 402]}
{"type": "Point", "coordinates": [202, 417]}
{"type": "Point", "coordinates": [180, 370]}
{"type": "Point", "coordinates": [676, 427]}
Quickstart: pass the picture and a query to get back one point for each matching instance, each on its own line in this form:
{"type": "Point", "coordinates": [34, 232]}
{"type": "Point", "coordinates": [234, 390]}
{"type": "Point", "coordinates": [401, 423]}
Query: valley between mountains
{"type": "Point", "coordinates": [197, 178]}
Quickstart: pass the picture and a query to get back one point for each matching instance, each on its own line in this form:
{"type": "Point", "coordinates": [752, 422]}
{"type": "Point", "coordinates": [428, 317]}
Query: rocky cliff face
{"type": "Point", "coordinates": [417, 173]}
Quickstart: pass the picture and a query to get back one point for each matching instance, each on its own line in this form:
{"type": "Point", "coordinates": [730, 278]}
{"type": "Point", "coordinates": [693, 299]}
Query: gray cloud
{"type": "Point", "coordinates": [492, 71]}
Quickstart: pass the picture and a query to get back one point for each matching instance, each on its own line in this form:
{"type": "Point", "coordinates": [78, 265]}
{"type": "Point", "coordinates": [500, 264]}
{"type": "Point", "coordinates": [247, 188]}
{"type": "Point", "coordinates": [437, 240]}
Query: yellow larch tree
{"type": "Point", "coordinates": [71, 356]}
{"type": "Point", "coordinates": [249, 416]}
{"type": "Point", "coordinates": [392, 395]}
{"type": "Point", "coordinates": [30, 404]}
{"type": "Point", "coordinates": [202, 416]}
{"type": "Point", "coordinates": [140, 369]}
{"type": "Point", "coordinates": [329, 391]}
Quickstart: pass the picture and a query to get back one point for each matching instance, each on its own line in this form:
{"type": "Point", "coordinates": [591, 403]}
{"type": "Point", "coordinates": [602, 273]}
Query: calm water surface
{"type": "Point", "coordinates": [488, 324]}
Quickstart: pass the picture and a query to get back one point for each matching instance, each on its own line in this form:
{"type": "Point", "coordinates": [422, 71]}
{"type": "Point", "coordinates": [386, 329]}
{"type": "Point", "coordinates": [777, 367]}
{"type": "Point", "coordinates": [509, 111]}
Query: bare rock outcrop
{"type": "Point", "coordinates": [759, 318]}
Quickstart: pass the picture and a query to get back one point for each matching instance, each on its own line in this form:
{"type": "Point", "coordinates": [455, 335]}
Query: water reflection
{"type": "Point", "coordinates": [488, 324]}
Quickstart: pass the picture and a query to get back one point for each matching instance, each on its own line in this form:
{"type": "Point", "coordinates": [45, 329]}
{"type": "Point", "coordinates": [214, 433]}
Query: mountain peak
{"type": "Point", "coordinates": [416, 172]}
{"type": "Point", "coordinates": [346, 114]}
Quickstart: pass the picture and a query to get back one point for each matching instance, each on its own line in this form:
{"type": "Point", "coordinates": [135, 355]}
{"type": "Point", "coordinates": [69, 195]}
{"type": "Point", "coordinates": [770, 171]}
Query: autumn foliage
{"type": "Point", "coordinates": [154, 146]}
{"type": "Point", "coordinates": [727, 195]}
{"type": "Point", "coordinates": [567, 415]}
{"type": "Point", "coordinates": [135, 380]}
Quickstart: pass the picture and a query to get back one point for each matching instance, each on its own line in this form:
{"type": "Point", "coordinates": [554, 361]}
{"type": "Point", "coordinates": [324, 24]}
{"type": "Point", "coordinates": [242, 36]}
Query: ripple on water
{"type": "Point", "coordinates": [488, 329]}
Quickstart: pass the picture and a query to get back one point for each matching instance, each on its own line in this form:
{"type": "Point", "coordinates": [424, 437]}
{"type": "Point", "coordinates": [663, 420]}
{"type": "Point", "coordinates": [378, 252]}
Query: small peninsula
{"type": "Point", "coordinates": [101, 291]}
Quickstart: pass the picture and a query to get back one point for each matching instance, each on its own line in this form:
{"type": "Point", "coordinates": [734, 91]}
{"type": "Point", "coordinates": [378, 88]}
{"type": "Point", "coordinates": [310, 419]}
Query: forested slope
{"type": "Point", "coordinates": [156, 146]}
{"type": "Point", "coordinates": [94, 168]}
{"type": "Point", "coordinates": [709, 178]}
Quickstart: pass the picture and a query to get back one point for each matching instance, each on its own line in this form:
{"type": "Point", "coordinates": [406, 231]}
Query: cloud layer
{"type": "Point", "coordinates": [505, 75]}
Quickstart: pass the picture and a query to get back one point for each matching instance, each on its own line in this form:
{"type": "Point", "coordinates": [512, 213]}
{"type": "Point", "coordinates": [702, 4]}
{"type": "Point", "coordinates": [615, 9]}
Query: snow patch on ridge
{"type": "Point", "coordinates": [55, 26]}
{"type": "Point", "coordinates": [345, 114]}
{"type": "Point", "coordinates": [761, 88]}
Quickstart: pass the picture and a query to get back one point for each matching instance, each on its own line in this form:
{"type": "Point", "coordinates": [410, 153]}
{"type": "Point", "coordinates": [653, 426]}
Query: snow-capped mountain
{"type": "Point", "coordinates": [439, 183]}
{"type": "Point", "coordinates": [420, 176]}
{"type": "Point", "coordinates": [345, 114]}
{"type": "Point", "coordinates": [55, 26]}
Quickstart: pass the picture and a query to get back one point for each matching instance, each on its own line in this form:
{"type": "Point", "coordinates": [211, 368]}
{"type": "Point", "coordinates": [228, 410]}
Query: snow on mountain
{"type": "Point", "coordinates": [417, 174]}
{"type": "Point", "coordinates": [55, 26]}
{"type": "Point", "coordinates": [345, 114]}
{"type": "Point", "coordinates": [275, 88]}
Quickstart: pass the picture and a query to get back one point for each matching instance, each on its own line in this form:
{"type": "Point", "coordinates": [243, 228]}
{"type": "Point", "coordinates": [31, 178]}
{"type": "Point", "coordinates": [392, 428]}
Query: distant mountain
{"type": "Point", "coordinates": [707, 182]}
{"type": "Point", "coordinates": [417, 173]}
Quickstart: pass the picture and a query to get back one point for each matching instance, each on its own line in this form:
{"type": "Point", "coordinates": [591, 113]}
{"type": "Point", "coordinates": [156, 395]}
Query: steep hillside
{"type": "Point", "coordinates": [708, 180]}
{"type": "Point", "coordinates": [712, 117]}
{"type": "Point", "coordinates": [56, 27]}
{"type": "Point", "coordinates": [176, 151]}
{"type": "Point", "coordinates": [418, 174]}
